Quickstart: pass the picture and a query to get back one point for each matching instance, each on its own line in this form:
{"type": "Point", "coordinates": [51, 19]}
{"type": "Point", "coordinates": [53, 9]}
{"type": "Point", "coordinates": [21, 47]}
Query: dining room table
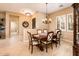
{"type": "Point", "coordinates": [40, 37]}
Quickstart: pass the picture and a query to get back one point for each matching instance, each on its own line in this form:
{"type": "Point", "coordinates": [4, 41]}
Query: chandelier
{"type": "Point", "coordinates": [47, 20]}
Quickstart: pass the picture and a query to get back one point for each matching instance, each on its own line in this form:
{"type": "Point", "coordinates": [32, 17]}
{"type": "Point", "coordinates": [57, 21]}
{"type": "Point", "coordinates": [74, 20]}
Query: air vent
{"type": "Point", "coordinates": [60, 5]}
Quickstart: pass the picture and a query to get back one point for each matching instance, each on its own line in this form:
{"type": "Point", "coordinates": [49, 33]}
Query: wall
{"type": "Point", "coordinates": [22, 30]}
{"type": "Point", "coordinates": [14, 23]}
{"type": "Point", "coordinates": [67, 36]}
{"type": "Point", "coordinates": [39, 25]}
{"type": "Point", "coordinates": [39, 18]}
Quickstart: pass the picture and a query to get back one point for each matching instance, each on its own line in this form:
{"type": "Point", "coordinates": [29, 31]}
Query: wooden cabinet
{"type": "Point", "coordinates": [2, 25]}
{"type": "Point", "coordinates": [76, 50]}
{"type": "Point", "coordinates": [76, 29]}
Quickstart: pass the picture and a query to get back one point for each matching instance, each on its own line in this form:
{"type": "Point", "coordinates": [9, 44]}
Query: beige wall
{"type": "Point", "coordinates": [22, 30]}
{"type": "Point", "coordinates": [68, 36]}
{"type": "Point", "coordinates": [14, 23]}
{"type": "Point", "coordinates": [2, 14]}
{"type": "Point", "coordinates": [39, 25]}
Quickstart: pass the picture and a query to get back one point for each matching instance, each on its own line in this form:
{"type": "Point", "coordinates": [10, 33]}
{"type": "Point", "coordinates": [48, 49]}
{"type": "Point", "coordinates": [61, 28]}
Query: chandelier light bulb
{"type": "Point", "coordinates": [43, 20]}
{"type": "Point", "coordinates": [50, 19]}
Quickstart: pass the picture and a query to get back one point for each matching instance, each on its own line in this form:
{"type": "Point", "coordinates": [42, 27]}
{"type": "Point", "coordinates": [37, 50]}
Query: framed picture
{"type": "Point", "coordinates": [61, 22]}
{"type": "Point", "coordinates": [70, 22]}
{"type": "Point", "coordinates": [58, 22]}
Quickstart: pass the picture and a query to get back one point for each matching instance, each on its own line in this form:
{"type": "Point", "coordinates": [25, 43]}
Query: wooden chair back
{"type": "Point", "coordinates": [58, 34]}
{"type": "Point", "coordinates": [50, 35]}
{"type": "Point", "coordinates": [29, 37]}
{"type": "Point", "coordinates": [39, 31]}
{"type": "Point", "coordinates": [45, 31]}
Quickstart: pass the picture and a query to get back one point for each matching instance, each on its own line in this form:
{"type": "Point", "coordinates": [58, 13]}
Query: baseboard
{"type": "Point", "coordinates": [68, 41]}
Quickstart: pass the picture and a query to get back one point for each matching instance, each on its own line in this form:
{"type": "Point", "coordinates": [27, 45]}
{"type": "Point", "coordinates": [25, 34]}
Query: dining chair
{"type": "Point", "coordinates": [56, 38]}
{"type": "Point", "coordinates": [39, 31]}
{"type": "Point", "coordinates": [45, 31]}
{"type": "Point", "coordinates": [32, 41]}
{"type": "Point", "coordinates": [48, 40]}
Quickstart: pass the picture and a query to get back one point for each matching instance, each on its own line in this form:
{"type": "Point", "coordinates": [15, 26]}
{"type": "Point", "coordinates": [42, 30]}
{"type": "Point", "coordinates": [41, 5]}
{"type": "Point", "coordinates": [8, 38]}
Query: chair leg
{"type": "Point", "coordinates": [31, 49]}
{"type": "Point", "coordinates": [59, 42]}
{"type": "Point", "coordinates": [29, 46]}
{"type": "Point", "coordinates": [56, 44]}
{"type": "Point", "coordinates": [51, 46]}
{"type": "Point", "coordinates": [46, 48]}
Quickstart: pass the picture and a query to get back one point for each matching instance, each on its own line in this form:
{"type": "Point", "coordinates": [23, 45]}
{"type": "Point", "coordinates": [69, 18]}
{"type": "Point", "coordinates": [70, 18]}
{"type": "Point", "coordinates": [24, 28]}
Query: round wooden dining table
{"type": "Point", "coordinates": [40, 37]}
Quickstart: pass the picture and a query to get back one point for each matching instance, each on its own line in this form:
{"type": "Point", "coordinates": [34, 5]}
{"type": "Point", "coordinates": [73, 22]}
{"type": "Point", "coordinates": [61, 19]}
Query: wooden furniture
{"type": "Point", "coordinates": [40, 37]}
{"type": "Point", "coordinates": [56, 38]}
{"type": "Point", "coordinates": [56, 30]}
{"type": "Point", "coordinates": [48, 40]}
{"type": "Point", "coordinates": [2, 25]}
{"type": "Point", "coordinates": [32, 41]}
{"type": "Point", "coordinates": [45, 31]}
{"type": "Point", "coordinates": [76, 30]}
{"type": "Point", "coordinates": [39, 31]}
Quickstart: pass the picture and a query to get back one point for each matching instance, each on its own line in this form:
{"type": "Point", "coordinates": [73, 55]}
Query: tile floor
{"type": "Point", "coordinates": [16, 47]}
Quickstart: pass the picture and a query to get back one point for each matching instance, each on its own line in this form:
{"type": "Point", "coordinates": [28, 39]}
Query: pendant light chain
{"type": "Point", "coordinates": [46, 10]}
{"type": "Point", "coordinates": [46, 20]}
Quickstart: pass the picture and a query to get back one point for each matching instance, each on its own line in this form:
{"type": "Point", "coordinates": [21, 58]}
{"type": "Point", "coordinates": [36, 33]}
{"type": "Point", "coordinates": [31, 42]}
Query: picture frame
{"type": "Point", "coordinates": [58, 22]}
{"type": "Point", "coordinates": [61, 22]}
{"type": "Point", "coordinates": [69, 22]}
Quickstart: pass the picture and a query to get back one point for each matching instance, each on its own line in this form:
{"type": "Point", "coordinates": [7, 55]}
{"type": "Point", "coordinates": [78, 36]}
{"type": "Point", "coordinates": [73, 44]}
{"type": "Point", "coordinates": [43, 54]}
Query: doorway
{"type": "Point", "coordinates": [14, 25]}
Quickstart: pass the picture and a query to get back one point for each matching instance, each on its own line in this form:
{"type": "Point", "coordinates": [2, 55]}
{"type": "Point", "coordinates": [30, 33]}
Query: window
{"type": "Point", "coordinates": [65, 22]}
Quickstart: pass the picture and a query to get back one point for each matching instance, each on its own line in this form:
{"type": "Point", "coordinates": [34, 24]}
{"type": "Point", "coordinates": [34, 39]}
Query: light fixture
{"type": "Point", "coordinates": [27, 12]}
{"type": "Point", "coordinates": [47, 20]}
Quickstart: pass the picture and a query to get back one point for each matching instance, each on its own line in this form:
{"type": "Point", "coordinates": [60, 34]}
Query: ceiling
{"type": "Point", "coordinates": [33, 7]}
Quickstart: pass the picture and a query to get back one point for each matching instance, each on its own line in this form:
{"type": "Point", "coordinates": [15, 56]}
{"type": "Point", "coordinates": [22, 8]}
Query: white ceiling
{"type": "Point", "coordinates": [33, 7]}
